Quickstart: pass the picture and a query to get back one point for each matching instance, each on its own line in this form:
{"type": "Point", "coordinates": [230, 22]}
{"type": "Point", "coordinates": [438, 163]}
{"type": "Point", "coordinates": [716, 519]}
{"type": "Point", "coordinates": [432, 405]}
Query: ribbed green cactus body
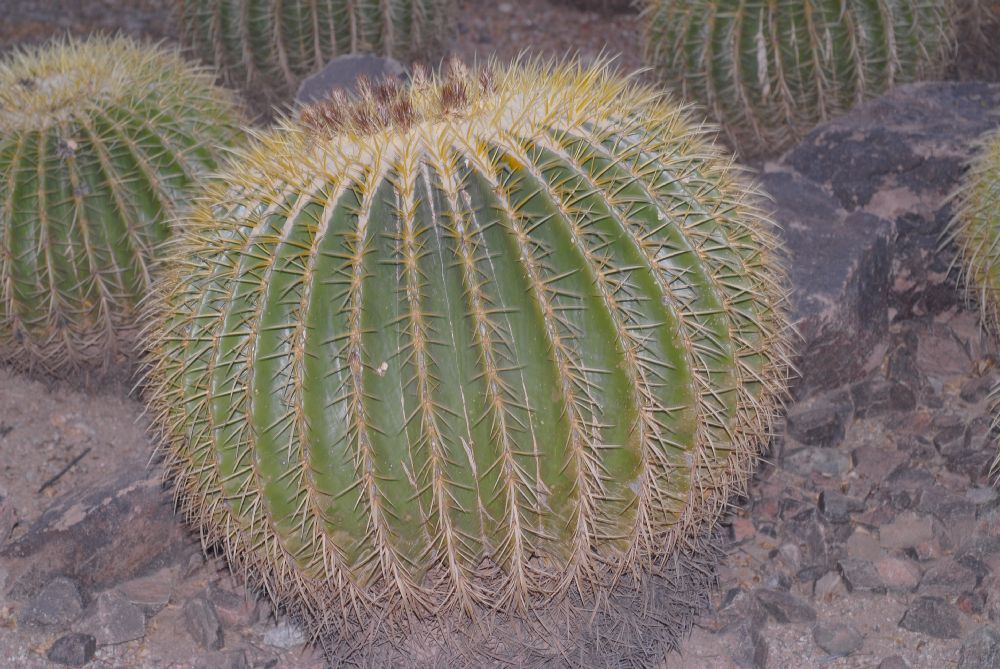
{"type": "Point", "coordinates": [100, 144]}
{"type": "Point", "coordinates": [976, 231]}
{"type": "Point", "coordinates": [469, 344]}
{"type": "Point", "coordinates": [276, 43]}
{"type": "Point", "coordinates": [769, 71]}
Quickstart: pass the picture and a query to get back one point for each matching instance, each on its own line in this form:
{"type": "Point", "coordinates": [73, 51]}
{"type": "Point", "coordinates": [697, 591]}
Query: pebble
{"type": "Point", "coordinates": [894, 662]}
{"type": "Point", "coordinates": [860, 575]}
{"type": "Point", "coordinates": [908, 530]}
{"type": "Point", "coordinates": [947, 578]}
{"type": "Point", "coordinates": [819, 421]}
{"type": "Point", "coordinates": [898, 574]}
{"type": "Point", "coordinates": [58, 603]}
{"type": "Point", "coordinates": [932, 616]}
{"type": "Point", "coordinates": [784, 607]}
{"type": "Point", "coordinates": [284, 635]}
{"type": "Point", "coordinates": [73, 650]}
{"type": "Point", "coordinates": [202, 623]}
{"type": "Point", "coordinates": [837, 639]}
{"type": "Point", "coordinates": [981, 650]}
{"type": "Point", "coordinates": [828, 461]}
{"type": "Point", "coordinates": [828, 586]}
{"type": "Point", "coordinates": [862, 545]}
{"type": "Point", "coordinates": [117, 620]}
{"type": "Point", "coordinates": [151, 593]}
{"type": "Point", "coordinates": [837, 507]}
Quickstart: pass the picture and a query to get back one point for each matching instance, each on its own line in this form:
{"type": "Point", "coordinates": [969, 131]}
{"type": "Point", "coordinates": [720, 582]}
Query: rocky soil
{"type": "Point", "coordinates": [869, 538]}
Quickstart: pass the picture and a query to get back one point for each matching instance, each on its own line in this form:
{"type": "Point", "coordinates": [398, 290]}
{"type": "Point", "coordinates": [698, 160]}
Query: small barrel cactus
{"type": "Point", "coordinates": [101, 143]}
{"type": "Point", "coordinates": [468, 345]}
{"type": "Point", "coordinates": [271, 45]}
{"type": "Point", "coordinates": [769, 71]}
{"type": "Point", "coordinates": [976, 231]}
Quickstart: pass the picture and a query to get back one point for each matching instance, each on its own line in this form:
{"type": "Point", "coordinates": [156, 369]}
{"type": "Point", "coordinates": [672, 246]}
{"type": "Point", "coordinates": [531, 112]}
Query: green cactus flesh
{"type": "Point", "coordinates": [976, 231]}
{"type": "Point", "coordinates": [275, 43]}
{"type": "Point", "coordinates": [769, 71]}
{"type": "Point", "coordinates": [469, 344]}
{"type": "Point", "coordinates": [101, 142]}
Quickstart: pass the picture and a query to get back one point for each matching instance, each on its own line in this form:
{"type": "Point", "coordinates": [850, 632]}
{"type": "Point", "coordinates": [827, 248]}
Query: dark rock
{"type": "Point", "coordinates": [784, 607]}
{"type": "Point", "coordinates": [950, 433]}
{"type": "Point", "coordinates": [233, 609]}
{"type": "Point", "coordinates": [932, 616]}
{"type": "Point", "coordinates": [975, 389]}
{"type": "Point", "coordinates": [747, 647]}
{"type": "Point", "coordinates": [875, 463]}
{"type": "Point", "coordinates": [981, 650]}
{"type": "Point", "coordinates": [837, 639]}
{"type": "Point", "coordinates": [344, 73]}
{"type": "Point", "coordinates": [900, 157]}
{"type": "Point", "coordinates": [830, 462]}
{"type": "Point", "coordinates": [151, 593]}
{"type": "Point", "coordinates": [101, 536]}
{"type": "Point", "coordinates": [947, 578]}
{"type": "Point", "coordinates": [839, 268]}
{"type": "Point", "coordinates": [878, 396]}
{"type": "Point", "coordinates": [58, 603]}
{"type": "Point", "coordinates": [975, 463]}
{"type": "Point", "coordinates": [117, 620]}
{"type": "Point", "coordinates": [232, 659]}
{"type": "Point", "coordinates": [893, 662]}
{"type": "Point", "coordinates": [837, 507]}
{"type": "Point", "coordinates": [812, 535]}
{"type": "Point", "coordinates": [202, 623]}
{"type": "Point", "coordinates": [980, 554]}
{"type": "Point", "coordinates": [73, 650]}
{"type": "Point", "coordinates": [820, 421]}
{"type": "Point", "coordinates": [8, 518]}
{"type": "Point", "coordinates": [860, 575]}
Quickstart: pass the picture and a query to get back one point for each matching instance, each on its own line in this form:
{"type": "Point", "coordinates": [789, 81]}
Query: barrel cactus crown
{"type": "Point", "coordinates": [275, 43]}
{"type": "Point", "coordinates": [101, 144]}
{"type": "Point", "coordinates": [769, 71]}
{"type": "Point", "coordinates": [976, 231]}
{"type": "Point", "coordinates": [469, 345]}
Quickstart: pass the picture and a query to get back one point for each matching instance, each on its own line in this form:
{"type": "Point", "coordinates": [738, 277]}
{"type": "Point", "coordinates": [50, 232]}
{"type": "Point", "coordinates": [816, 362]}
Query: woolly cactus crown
{"type": "Point", "coordinates": [469, 346]}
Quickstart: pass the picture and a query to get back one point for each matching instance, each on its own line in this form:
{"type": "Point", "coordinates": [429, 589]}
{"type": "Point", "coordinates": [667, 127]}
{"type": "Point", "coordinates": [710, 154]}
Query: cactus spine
{"type": "Point", "coordinates": [469, 345]}
{"type": "Point", "coordinates": [101, 142]}
{"type": "Point", "coordinates": [276, 43]}
{"type": "Point", "coordinates": [976, 231]}
{"type": "Point", "coordinates": [769, 71]}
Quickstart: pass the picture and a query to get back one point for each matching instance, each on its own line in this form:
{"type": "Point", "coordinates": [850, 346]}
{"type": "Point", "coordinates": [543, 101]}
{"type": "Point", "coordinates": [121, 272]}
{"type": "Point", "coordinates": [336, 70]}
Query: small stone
{"type": "Point", "coordinates": [151, 593]}
{"type": "Point", "coordinates": [837, 507]}
{"type": "Point", "coordinates": [860, 575]}
{"type": "Point", "coordinates": [117, 620]}
{"type": "Point", "coordinates": [981, 650]}
{"type": "Point", "coordinates": [344, 72]}
{"type": "Point", "coordinates": [284, 635]}
{"type": "Point", "coordinates": [982, 495]}
{"type": "Point", "coordinates": [980, 554]}
{"type": "Point", "coordinates": [830, 462]}
{"type": "Point", "coordinates": [828, 586]}
{"type": "Point", "coordinates": [234, 610]}
{"type": "Point", "coordinates": [947, 578]}
{"type": "Point", "coordinates": [73, 650]}
{"type": "Point", "coordinates": [862, 545]}
{"type": "Point", "coordinates": [58, 603]}
{"type": "Point", "coordinates": [898, 574]}
{"type": "Point", "coordinates": [975, 389]}
{"type": "Point", "coordinates": [893, 662]}
{"type": "Point", "coordinates": [932, 616]}
{"type": "Point", "coordinates": [233, 659]}
{"type": "Point", "coordinates": [877, 396]}
{"type": "Point", "coordinates": [837, 639]}
{"type": "Point", "coordinates": [819, 421]}
{"type": "Point", "coordinates": [202, 623]}
{"type": "Point", "coordinates": [908, 530]}
{"type": "Point", "coordinates": [875, 462]}
{"type": "Point", "coordinates": [784, 607]}
{"type": "Point", "coordinates": [8, 518]}
{"type": "Point", "coordinates": [746, 645]}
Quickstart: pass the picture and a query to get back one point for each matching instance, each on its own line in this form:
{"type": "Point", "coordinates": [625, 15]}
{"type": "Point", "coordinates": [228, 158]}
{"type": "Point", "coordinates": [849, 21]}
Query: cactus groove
{"type": "Point", "coordinates": [101, 143]}
{"type": "Point", "coordinates": [469, 345]}
{"type": "Point", "coordinates": [769, 71]}
{"type": "Point", "coordinates": [275, 43]}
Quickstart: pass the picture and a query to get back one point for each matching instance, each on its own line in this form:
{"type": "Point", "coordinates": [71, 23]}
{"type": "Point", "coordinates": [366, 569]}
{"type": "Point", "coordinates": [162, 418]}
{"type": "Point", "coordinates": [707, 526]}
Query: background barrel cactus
{"type": "Point", "coordinates": [101, 143]}
{"type": "Point", "coordinates": [469, 346]}
{"type": "Point", "coordinates": [276, 43]}
{"type": "Point", "coordinates": [976, 231]}
{"type": "Point", "coordinates": [768, 71]}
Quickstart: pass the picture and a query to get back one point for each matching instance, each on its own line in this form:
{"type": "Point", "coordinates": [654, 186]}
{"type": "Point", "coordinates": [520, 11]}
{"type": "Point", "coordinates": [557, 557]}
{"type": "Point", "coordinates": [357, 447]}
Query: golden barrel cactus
{"type": "Point", "coordinates": [468, 346]}
{"type": "Point", "coordinates": [101, 144]}
{"type": "Point", "coordinates": [768, 71]}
